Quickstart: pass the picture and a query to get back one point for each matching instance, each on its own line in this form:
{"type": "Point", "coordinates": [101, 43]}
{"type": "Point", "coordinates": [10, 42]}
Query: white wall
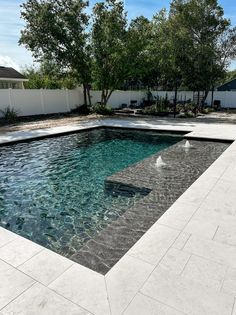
{"type": "Point", "coordinates": [37, 102]}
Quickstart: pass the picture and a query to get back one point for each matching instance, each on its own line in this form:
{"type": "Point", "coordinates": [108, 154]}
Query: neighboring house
{"type": "Point", "coordinates": [228, 86]}
{"type": "Point", "coordinates": [11, 79]}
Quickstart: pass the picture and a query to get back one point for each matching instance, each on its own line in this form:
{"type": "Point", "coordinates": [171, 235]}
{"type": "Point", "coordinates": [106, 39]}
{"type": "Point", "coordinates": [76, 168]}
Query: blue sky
{"type": "Point", "coordinates": [11, 24]}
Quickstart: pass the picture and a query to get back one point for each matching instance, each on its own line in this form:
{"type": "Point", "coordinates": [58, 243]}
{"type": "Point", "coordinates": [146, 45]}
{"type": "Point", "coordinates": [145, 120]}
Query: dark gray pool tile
{"type": "Point", "coordinates": [160, 188]}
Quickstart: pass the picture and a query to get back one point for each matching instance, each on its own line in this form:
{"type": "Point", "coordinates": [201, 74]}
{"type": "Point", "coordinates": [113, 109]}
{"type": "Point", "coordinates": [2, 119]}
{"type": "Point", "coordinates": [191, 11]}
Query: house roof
{"type": "Point", "coordinates": [10, 73]}
{"type": "Point", "coordinates": [227, 82]}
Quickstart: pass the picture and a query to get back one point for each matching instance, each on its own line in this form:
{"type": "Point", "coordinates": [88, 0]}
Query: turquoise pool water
{"type": "Point", "coordinates": [52, 190]}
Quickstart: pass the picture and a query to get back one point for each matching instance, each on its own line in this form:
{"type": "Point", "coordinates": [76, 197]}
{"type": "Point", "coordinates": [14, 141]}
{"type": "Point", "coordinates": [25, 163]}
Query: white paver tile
{"type": "Point", "coordinates": [38, 300]}
{"type": "Point", "coordinates": [230, 172]}
{"type": "Point", "coordinates": [154, 244]}
{"type": "Point", "coordinates": [229, 285]}
{"type": "Point", "coordinates": [186, 295]}
{"type": "Point", "coordinates": [195, 195]}
{"type": "Point", "coordinates": [175, 260]}
{"type": "Point", "coordinates": [181, 240]}
{"type": "Point", "coordinates": [226, 232]}
{"type": "Point", "coordinates": [209, 214]}
{"type": "Point", "coordinates": [174, 222]}
{"type": "Point", "coordinates": [83, 287]}
{"type": "Point", "coordinates": [202, 228]}
{"type": "Point", "coordinates": [234, 310]}
{"type": "Point", "coordinates": [46, 266]}
{"type": "Point", "coordinates": [12, 283]}
{"type": "Point", "coordinates": [205, 182]}
{"type": "Point", "coordinates": [6, 236]}
{"type": "Point", "coordinates": [222, 186]}
{"type": "Point", "coordinates": [206, 272]}
{"type": "Point", "coordinates": [124, 280]}
{"type": "Point", "coordinates": [144, 305]}
{"type": "Point", "coordinates": [221, 202]}
{"type": "Point", "coordinates": [18, 251]}
{"type": "Point", "coordinates": [178, 215]}
{"type": "Point", "coordinates": [217, 252]}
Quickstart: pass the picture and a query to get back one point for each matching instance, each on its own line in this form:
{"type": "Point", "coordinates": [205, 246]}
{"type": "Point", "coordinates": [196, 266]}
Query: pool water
{"type": "Point", "coordinates": [52, 190]}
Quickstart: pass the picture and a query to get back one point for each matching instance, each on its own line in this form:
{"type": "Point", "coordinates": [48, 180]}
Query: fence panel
{"type": "Point", "coordinates": [27, 102]}
{"type": "Point", "coordinates": [4, 100]}
{"type": "Point", "coordinates": [37, 102]}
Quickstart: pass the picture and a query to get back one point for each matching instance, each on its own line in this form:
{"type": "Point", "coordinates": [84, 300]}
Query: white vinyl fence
{"type": "Point", "coordinates": [227, 99]}
{"type": "Point", "coordinates": [38, 102]}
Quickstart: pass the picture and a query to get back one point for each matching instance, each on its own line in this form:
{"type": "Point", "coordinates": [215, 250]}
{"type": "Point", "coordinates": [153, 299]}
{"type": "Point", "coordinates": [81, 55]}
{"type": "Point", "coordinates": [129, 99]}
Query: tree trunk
{"type": "Point", "coordinates": [212, 96]}
{"type": "Point", "coordinates": [109, 95]}
{"type": "Point", "coordinates": [102, 97]}
{"type": "Point", "coordinates": [198, 98]}
{"type": "Point", "coordinates": [204, 99]}
{"type": "Point", "coordinates": [106, 94]}
{"type": "Point", "coordinates": [85, 95]}
{"type": "Point", "coordinates": [88, 95]}
{"type": "Point", "coordinates": [175, 99]}
{"type": "Point", "coordinates": [149, 96]}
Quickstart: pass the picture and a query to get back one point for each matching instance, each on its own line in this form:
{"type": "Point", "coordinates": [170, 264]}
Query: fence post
{"type": "Point", "coordinates": [10, 98]}
{"type": "Point", "coordinates": [67, 100]}
{"type": "Point", "coordinates": [42, 101]}
{"type": "Point", "coordinates": [226, 103]}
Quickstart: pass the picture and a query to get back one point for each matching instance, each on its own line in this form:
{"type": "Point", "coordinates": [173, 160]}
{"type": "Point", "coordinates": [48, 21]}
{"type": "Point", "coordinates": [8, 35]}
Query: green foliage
{"type": "Point", "coordinates": [56, 31]}
{"type": "Point", "coordinates": [230, 75]}
{"type": "Point", "coordinates": [46, 77]}
{"type": "Point", "coordinates": [206, 39]}
{"type": "Point", "coordinates": [161, 105]}
{"type": "Point", "coordinates": [142, 54]}
{"type": "Point", "coordinates": [109, 46]}
{"type": "Point", "coordinates": [207, 110]}
{"type": "Point", "coordinates": [190, 45]}
{"type": "Point", "coordinates": [102, 109]}
{"type": "Point", "coordinates": [9, 114]}
{"type": "Point", "coordinates": [188, 107]}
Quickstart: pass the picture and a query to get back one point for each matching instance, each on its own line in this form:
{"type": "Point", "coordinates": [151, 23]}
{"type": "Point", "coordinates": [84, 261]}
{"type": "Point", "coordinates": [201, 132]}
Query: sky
{"type": "Point", "coordinates": [11, 54]}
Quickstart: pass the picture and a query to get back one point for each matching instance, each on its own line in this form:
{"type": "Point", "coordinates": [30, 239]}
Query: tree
{"type": "Point", "coordinates": [139, 59]}
{"type": "Point", "coordinates": [109, 47]}
{"type": "Point", "coordinates": [56, 30]}
{"type": "Point", "coordinates": [48, 76]}
{"type": "Point", "coordinates": [230, 75]}
{"type": "Point", "coordinates": [169, 50]}
{"type": "Point", "coordinates": [204, 33]}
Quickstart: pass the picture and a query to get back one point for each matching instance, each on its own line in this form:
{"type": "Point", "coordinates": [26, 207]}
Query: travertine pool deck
{"type": "Point", "coordinates": [184, 264]}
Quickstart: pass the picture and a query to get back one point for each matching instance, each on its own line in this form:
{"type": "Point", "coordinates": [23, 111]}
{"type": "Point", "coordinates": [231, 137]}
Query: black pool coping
{"type": "Point", "coordinates": [184, 133]}
{"type": "Point", "coordinates": [162, 188]}
{"type": "Point", "coordinates": [42, 137]}
{"type": "Point", "coordinates": [199, 138]}
{"type": "Point", "coordinates": [87, 128]}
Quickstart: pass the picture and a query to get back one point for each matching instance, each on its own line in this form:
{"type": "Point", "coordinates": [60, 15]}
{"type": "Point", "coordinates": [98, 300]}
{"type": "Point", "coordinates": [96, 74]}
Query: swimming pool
{"type": "Point", "coordinates": [52, 190]}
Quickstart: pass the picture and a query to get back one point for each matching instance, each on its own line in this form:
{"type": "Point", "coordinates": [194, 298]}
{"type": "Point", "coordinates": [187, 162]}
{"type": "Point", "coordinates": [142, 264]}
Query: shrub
{"type": "Point", "coordinates": [150, 110]}
{"type": "Point", "coordinates": [102, 109]}
{"type": "Point", "coordinates": [186, 107]}
{"type": "Point", "coordinates": [160, 106]}
{"type": "Point", "coordinates": [207, 110]}
{"type": "Point", "coordinates": [9, 114]}
{"type": "Point", "coordinates": [190, 114]}
{"type": "Point", "coordinates": [81, 110]}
